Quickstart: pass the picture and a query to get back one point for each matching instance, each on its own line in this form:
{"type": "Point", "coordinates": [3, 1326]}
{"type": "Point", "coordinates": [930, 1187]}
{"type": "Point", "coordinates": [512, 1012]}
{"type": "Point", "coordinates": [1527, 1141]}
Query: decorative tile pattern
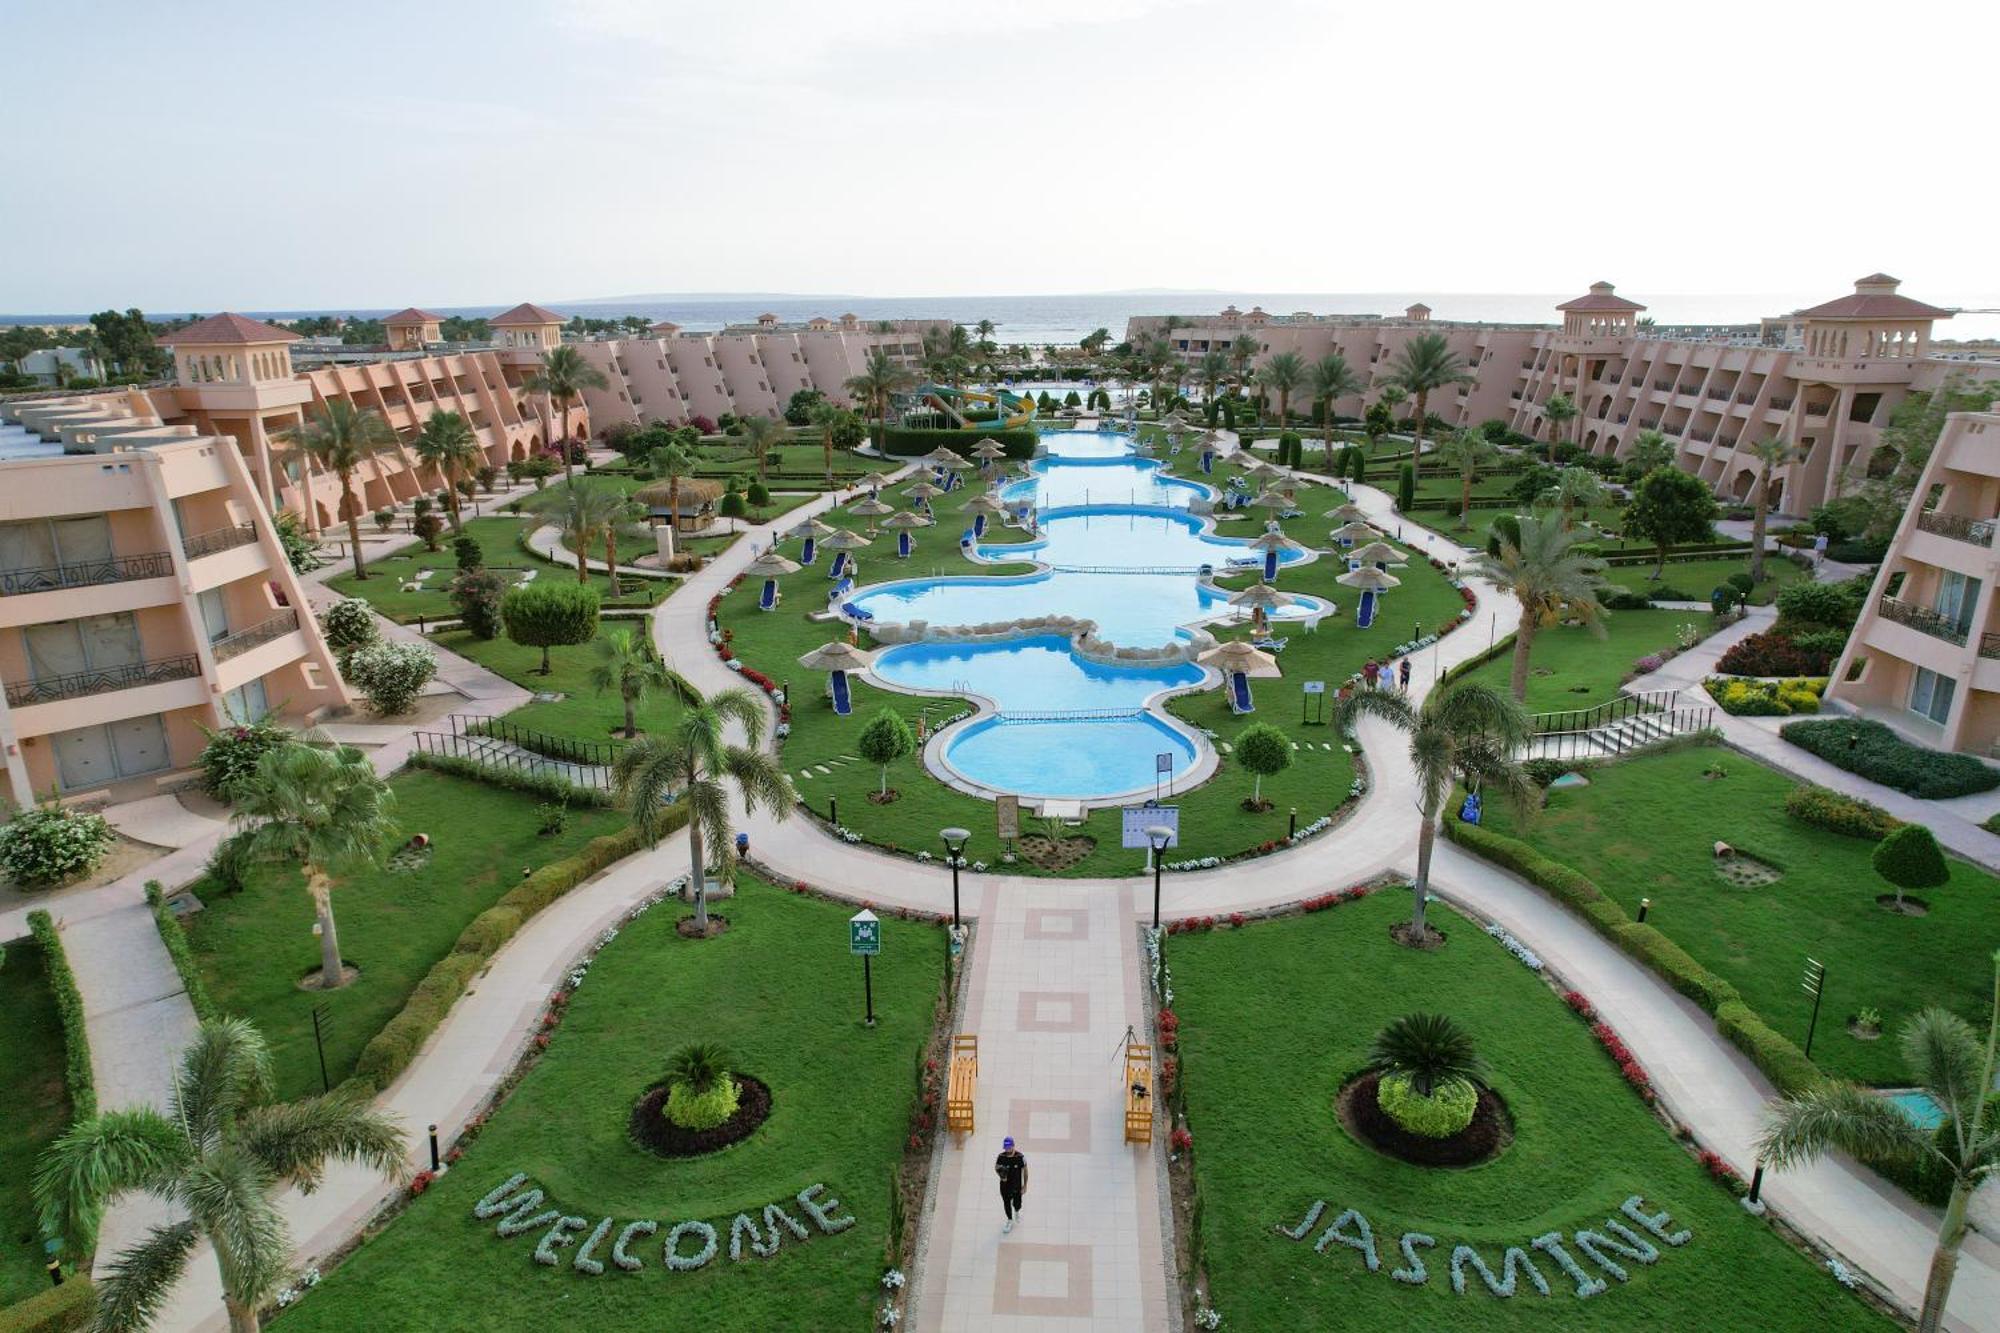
{"type": "Point", "coordinates": [1043, 1280]}
{"type": "Point", "coordinates": [1053, 1011]}
{"type": "Point", "coordinates": [1040, 1125]}
{"type": "Point", "coordinates": [1057, 923]}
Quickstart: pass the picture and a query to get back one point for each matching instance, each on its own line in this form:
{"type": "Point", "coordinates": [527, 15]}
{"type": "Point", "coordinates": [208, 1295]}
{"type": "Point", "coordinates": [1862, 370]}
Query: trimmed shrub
{"type": "Point", "coordinates": [56, 1310]}
{"type": "Point", "coordinates": [1406, 487]}
{"type": "Point", "coordinates": [348, 624]}
{"type": "Point", "coordinates": [467, 552]}
{"type": "Point", "coordinates": [1765, 698]}
{"type": "Point", "coordinates": [391, 675]}
{"type": "Point", "coordinates": [545, 785]}
{"type": "Point", "coordinates": [50, 845]}
{"type": "Point", "coordinates": [232, 753]}
{"type": "Point", "coordinates": [1812, 603]}
{"type": "Point", "coordinates": [1875, 752]}
{"type": "Point", "coordinates": [175, 939]}
{"type": "Point", "coordinates": [1910, 858]}
{"type": "Point", "coordinates": [78, 1080]}
{"type": "Point", "coordinates": [1772, 653]}
{"type": "Point", "coordinates": [1837, 812]}
{"type": "Point", "coordinates": [1444, 1113]}
{"type": "Point", "coordinates": [1675, 965]}
{"type": "Point", "coordinates": [703, 1110]}
{"type": "Point", "coordinates": [1782, 1062]}
{"type": "Point", "coordinates": [902, 443]}
{"type": "Point", "coordinates": [550, 615]}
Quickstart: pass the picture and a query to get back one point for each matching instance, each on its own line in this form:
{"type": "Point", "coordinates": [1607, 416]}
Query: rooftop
{"type": "Point", "coordinates": [526, 313]}
{"type": "Point", "coordinates": [1601, 299]}
{"type": "Point", "coordinates": [226, 330]}
{"type": "Point", "coordinates": [413, 316]}
{"type": "Point", "coordinates": [1875, 298]}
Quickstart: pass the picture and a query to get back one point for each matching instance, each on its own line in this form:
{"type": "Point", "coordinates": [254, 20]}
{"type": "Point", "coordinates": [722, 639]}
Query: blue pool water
{"type": "Point", "coordinates": [1123, 552]}
{"type": "Point", "coordinates": [1919, 1108]}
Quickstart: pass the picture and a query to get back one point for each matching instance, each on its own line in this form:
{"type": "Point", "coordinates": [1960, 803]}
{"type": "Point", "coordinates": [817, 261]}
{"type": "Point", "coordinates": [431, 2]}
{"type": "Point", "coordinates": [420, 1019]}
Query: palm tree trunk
{"type": "Point", "coordinates": [1426, 842]}
{"type": "Point", "coordinates": [1524, 647]}
{"type": "Point", "coordinates": [826, 444]}
{"type": "Point", "coordinates": [451, 503]}
{"type": "Point", "coordinates": [582, 545]}
{"type": "Point", "coordinates": [1423, 410]}
{"type": "Point", "coordinates": [1757, 527]}
{"type": "Point", "coordinates": [353, 522]}
{"type": "Point", "coordinates": [242, 1318]}
{"type": "Point", "coordinates": [321, 889]}
{"type": "Point", "coordinates": [611, 555]}
{"type": "Point", "coordinates": [631, 719]}
{"type": "Point", "coordinates": [1464, 499]}
{"type": "Point", "coordinates": [1326, 432]}
{"type": "Point", "coordinates": [1944, 1260]}
{"type": "Point", "coordinates": [563, 444]}
{"type": "Point", "coordinates": [700, 876]}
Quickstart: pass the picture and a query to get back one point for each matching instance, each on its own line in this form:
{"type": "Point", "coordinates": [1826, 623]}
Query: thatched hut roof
{"type": "Point", "coordinates": [696, 494]}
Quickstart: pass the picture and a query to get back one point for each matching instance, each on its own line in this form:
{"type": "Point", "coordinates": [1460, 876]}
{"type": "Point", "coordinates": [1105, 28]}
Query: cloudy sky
{"type": "Point", "coordinates": [240, 153]}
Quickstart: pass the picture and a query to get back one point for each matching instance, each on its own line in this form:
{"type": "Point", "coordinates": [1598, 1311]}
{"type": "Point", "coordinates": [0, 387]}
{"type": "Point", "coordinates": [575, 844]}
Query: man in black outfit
{"type": "Point", "coordinates": [1012, 1168]}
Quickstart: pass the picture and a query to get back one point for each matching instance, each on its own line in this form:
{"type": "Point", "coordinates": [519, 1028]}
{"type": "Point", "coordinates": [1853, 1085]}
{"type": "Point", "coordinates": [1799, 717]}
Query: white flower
{"type": "Point", "coordinates": [923, 856]}
{"type": "Point", "coordinates": [978, 866]}
{"type": "Point", "coordinates": [1207, 1317]}
{"type": "Point", "coordinates": [891, 1316]}
{"type": "Point", "coordinates": [893, 1279]}
{"type": "Point", "coordinates": [1842, 1274]}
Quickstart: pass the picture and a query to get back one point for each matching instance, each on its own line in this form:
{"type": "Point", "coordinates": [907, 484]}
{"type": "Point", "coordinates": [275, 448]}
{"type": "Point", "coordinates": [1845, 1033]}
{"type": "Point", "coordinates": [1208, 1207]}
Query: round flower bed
{"type": "Point", "coordinates": [1484, 1137]}
{"type": "Point", "coordinates": [651, 1129]}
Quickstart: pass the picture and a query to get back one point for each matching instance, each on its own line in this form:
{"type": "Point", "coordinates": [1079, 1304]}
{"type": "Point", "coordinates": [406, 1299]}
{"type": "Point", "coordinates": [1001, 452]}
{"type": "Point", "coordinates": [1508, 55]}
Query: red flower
{"type": "Point", "coordinates": [453, 1155]}
{"type": "Point", "coordinates": [1578, 1001]}
{"type": "Point", "coordinates": [542, 1041]}
{"type": "Point", "coordinates": [559, 998]}
{"type": "Point", "coordinates": [1181, 1139]}
{"type": "Point", "coordinates": [421, 1182]}
{"type": "Point", "coordinates": [1237, 919]}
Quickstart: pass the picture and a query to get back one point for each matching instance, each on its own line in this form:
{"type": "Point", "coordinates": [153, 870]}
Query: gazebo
{"type": "Point", "coordinates": [840, 543]}
{"type": "Point", "coordinates": [768, 567]}
{"type": "Point", "coordinates": [904, 522]}
{"type": "Point", "coordinates": [810, 531]}
{"type": "Point", "coordinates": [838, 658]}
{"type": "Point", "coordinates": [1239, 662]}
{"type": "Point", "coordinates": [1372, 583]}
{"type": "Point", "coordinates": [680, 502]}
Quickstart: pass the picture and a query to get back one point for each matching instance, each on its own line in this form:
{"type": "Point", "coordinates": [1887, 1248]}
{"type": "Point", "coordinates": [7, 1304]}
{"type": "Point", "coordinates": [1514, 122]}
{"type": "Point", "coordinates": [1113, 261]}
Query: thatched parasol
{"type": "Point", "coordinates": [989, 448]}
{"type": "Point", "coordinates": [1373, 552]}
{"type": "Point", "coordinates": [871, 508]}
{"type": "Point", "coordinates": [1369, 579]}
{"type": "Point", "coordinates": [904, 518]}
{"type": "Point", "coordinates": [1271, 500]}
{"type": "Point", "coordinates": [811, 527]}
{"type": "Point", "coordinates": [769, 565]}
{"type": "Point", "coordinates": [695, 494]}
{"type": "Point", "coordinates": [1349, 513]}
{"type": "Point", "coordinates": [986, 504]}
{"type": "Point", "coordinates": [837, 656]}
{"type": "Point", "coordinates": [922, 490]}
{"type": "Point", "coordinates": [1264, 474]}
{"type": "Point", "coordinates": [943, 457]}
{"type": "Point", "coordinates": [844, 540]}
{"type": "Point", "coordinates": [1262, 597]}
{"type": "Point", "coordinates": [1235, 655]}
{"type": "Point", "coordinates": [1355, 532]}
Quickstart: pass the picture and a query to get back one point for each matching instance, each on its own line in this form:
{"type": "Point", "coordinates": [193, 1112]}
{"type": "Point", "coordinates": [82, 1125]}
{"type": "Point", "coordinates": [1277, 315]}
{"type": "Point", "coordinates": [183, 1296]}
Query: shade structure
{"type": "Point", "coordinates": [1275, 501]}
{"type": "Point", "coordinates": [987, 503]}
{"type": "Point", "coordinates": [875, 481]}
{"type": "Point", "coordinates": [922, 490]}
{"type": "Point", "coordinates": [1349, 533]}
{"type": "Point", "coordinates": [770, 565]}
{"type": "Point", "coordinates": [943, 457]}
{"type": "Point", "coordinates": [1348, 513]}
{"type": "Point", "coordinates": [989, 448]}
{"type": "Point", "coordinates": [1264, 474]}
{"type": "Point", "coordinates": [811, 527]}
{"type": "Point", "coordinates": [837, 655]}
{"type": "Point", "coordinates": [1262, 597]}
{"type": "Point", "coordinates": [1271, 539]}
{"type": "Point", "coordinates": [1375, 553]}
{"type": "Point", "coordinates": [904, 519]}
{"type": "Point", "coordinates": [843, 539]}
{"type": "Point", "coordinates": [694, 494]}
{"type": "Point", "coordinates": [1174, 418]}
{"type": "Point", "coordinates": [1369, 579]}
{"type": "Point", "coordinates": [871, 508]}
{"type": "Point", "coordinates": [1236, 655]}
{"type": "Point", "coordinates": [1209, 439]}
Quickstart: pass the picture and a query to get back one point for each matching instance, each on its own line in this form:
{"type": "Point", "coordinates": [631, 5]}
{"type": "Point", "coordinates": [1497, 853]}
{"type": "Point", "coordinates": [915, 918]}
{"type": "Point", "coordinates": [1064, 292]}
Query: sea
{"type": "Point", "coordinates": [1064, 318]}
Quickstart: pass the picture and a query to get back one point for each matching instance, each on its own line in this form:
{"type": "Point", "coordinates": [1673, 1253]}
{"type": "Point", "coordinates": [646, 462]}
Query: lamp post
{"type": "Point", "coordinates": [954, 847]}
{"type": "Point", "coordinates": [1159, 835]}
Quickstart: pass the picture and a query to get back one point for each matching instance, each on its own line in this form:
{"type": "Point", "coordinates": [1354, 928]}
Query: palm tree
{"type": "Point", "coordinates": [1241, 349]}
{"type": "Point", "coordinates": [1942, 1051]}
{"type": "Point", "coordinates": [1424, 363]}
{"type": "Point", "coordinates": [1559, 411]}
{"type": "Point", "coordinates": [1090, 344]}
{"type": "Point", "coordinates": [881, 380]}
{"type": "Point", "coordinates": [447, 443]}
{"type": "Point", "coordinates": [1429, 1051]}
{"type": "Point", "coordinates": [1574, 486]}
{"type": "Point", "coordinates": [338, 438]}
{"type": "Point", "coordinates": [671, 463]}
{"type": "Point", "coordinates": [1549, 580]}
{"type": "Point", "coordinates": [1770, 454]}
{"type": "Point", "coordinates": [696, 765]}
{"type": "Point", "coordinates": [1468, 451]}
{"type": "Point", "coordinates": [827, 416]}
{"type": "Point", "coordinates": [562, 379]}
{"type": "Point", "coordinates": [1284, 373]}
{"type": "Point", "coordinates": [984, 328]}
{"type": "Point", "coordinates": [628, 664]}
{"type": "Point", "coordinates": [1212, 368]}
{"type": "Point", "coordinates": [1465, 733]}
{"type": "Point", "coordinates": [216, 1158]}
{"type": "Point", "coordinates": [1649, 452]}
{"type": "Point", "coordinates": [760, 434]}
{"type": "Point", "coordinates": [1329, 378]}
{"type": "Point", "coordinates": [583, 513]}
{"type": "Point", "coordinates": [323, 809]}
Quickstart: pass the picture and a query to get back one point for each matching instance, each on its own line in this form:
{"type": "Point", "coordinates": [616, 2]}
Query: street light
{"type": "Point", "coordinates": [954, 846]}
{"type": "Point", "coordinates": [1159, 835]}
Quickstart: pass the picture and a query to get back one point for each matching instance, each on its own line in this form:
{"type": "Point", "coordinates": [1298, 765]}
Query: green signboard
{"type": "Point", "coordinates": [864, 933]}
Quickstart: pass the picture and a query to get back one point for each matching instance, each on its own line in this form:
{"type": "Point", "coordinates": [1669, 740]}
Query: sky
{"type": "Point", "coordinates": [249, 155]}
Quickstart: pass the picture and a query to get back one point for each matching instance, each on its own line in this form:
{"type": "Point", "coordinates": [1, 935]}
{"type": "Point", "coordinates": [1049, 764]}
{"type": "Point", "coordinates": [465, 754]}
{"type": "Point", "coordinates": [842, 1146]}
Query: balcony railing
{"type": "Point", "coordinates": [1958, 527]}
{"type": "Point", "coordinates": [1989, 645]}
{"type": "Point", "coordinates": [76, 685]}
{"type": "Point", "coordinates": [221, 539]}
{"type": "Point", "coordinates": [87, 573]}
{"type": "Point", "coordinates": [1781, 404]}
{"type": "Point", "coordinates": [243, 640]}
{"type": "Point", "coordinates": [1922, 619]}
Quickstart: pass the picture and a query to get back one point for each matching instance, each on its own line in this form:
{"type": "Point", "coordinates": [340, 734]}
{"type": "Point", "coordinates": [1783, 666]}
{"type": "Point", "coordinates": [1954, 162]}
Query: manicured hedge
{"type": "Point", "coordinates": [390, 1051]}
{"type": "Point", "coordinates": [57, 1310]}
{"type": "Point", "coordinates": [1780, 1059]}
{"type": "Point", "coordinates": [1880, 755]}
{"type": "Point", "coordinates": [1837, 812]}
{"type": "Point", "coordinates": [901, 443]}
{"type": "Point", "coordinates": [77, 1078]}
{"type": "Point", "coordinates": [176, 941]}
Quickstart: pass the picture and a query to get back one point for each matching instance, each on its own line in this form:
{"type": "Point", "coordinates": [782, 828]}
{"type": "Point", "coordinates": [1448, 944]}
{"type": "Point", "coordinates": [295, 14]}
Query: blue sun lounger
{"type": "Point", "coordinates": [839, 564]}
{"type": "Point", "coordinates": [1364, 614]}
{"type": "Point", "coordinates": [903, 544]}
{"type": "Point", "coordinates": [843, 701]}
{"type": "Point", "coordinates": [810, 549]}
{"type": "Point", "coordinates": [1239, 693]}
{"type": "Point", "coordinates": [768, 599]}
{"type": "Point", "coordinates": [853, 612]}
{"type": "Point", "coordinates": [841, 589]}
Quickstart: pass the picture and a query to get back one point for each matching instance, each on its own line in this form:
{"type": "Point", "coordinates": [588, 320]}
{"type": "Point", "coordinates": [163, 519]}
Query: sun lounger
{"type": "Point", "coordinates": [1239, 693]}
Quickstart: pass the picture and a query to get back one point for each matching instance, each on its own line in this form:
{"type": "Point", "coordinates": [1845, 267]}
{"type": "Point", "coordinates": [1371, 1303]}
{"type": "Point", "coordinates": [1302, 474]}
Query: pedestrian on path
{"type": "Point", "coordinates": [1012, 1168]}
{"type": "Point", "coordinates": [1403, 675]}
{"type": "Point", "coordinates": [1370, 672]}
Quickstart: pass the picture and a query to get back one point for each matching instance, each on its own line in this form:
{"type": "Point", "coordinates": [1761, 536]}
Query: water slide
{"type": "Point", "coordinates": [1015, 410]}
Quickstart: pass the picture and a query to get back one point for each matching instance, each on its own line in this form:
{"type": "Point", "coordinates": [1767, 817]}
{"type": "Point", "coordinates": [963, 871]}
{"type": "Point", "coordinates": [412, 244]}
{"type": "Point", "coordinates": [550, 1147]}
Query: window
{"type": "Point", "coordinates": [1956, 597]}
{"type": "Point", "coordinates": [1930, 695]}
{"type": "Point", "coordinates": [246, 703]}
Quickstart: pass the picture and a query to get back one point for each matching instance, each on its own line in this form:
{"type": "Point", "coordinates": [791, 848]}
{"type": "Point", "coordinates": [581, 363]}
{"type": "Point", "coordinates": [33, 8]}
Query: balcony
{"type": "Point", "coordinates": [243, 640]}
{"type": "Point", "coordinates": [1781, 404]}
{"type": "Point", "coordinates": [221, 539]}
{"type": "Point", "coordinates": [86, 574]}
{"type": "Point", "coordinates": [1979, 532]}
{"type": "Point", "coordinates": [1922, 619]}
{"type": "Point", "coordinates": [1989, 645]}
{"type": "Point", "coordinates": [53, 689]}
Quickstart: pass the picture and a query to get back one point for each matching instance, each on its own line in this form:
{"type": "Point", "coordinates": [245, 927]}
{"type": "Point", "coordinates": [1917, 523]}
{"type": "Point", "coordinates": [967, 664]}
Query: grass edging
{"type": "Point", "coordinates": [57, 1310]}
{"type": "Point", "coordinates": [530, 784]}
{"type": "Point", "coordinates": [78, 1080]}
{"type": "Point", "coordinates": [389, 1052]}
{"type": "Point", "coordinates": [175, 939]}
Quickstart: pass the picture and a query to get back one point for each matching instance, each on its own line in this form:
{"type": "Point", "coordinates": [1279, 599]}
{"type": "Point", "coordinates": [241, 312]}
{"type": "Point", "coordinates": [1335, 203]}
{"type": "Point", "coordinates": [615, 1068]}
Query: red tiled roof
{"type": "Point", "coordinates": [226, 330]}
{"type": "Point", "coordinates": [526, 313]}
{"type": "Point", "coordinates": [412, 316]}
{"type": "Point", "coordinates": [1600, 299]}
{"type": "Point", "coordinates": [1875, 305]}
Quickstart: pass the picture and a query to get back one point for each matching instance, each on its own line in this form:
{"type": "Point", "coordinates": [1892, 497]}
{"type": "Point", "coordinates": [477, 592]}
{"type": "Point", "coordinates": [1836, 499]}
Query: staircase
{"type": "Point", "coordinates": [1627, 723]}
{"type": "Point", "coordinates": [497, 744]}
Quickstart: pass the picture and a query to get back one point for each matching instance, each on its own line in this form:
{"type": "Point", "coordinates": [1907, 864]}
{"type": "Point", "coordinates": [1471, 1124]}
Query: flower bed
{"type": "Point", "coordinates": [1766, 698]}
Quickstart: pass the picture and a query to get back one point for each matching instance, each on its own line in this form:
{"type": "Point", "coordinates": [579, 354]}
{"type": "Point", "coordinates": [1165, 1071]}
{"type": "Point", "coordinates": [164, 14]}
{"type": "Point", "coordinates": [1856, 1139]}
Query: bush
{"type": "Point", "coordinates": [50, 845]}
{"type": "Point", "coordinates": [1742, 582]}
{"type": "Point", "coordinates": [1828, 643]}
{"type": "Point", "coordinates": [467, 552]}
{"type": "Point", "coordinates": [1910, 858]}
{"type": "Point", "coordinates": [1837, 812]}
{"type": "Point", "coordinates": [57, 1310]}
{"type": "Point", "coordinates": [1772, 653]}
{"type": "Point", "coordinates": [1880, 755]}
{"type": "Point", "coordinates": [349, 624]}
{"type": "Point", "coordinates": [428, 528]}
{"type": "Point", "coordinates": [175, 940]}
{"type": "Point", "coordinates": [1444, 1113]}
{"type": "Point", "coordinates": [230, 862]}
{"type": "Point", "coordinates": [78, 1080]}
{"type": "Point", "coordinates": [903, 443]}
{"type": "Point", "coordinates": [1782, 1062]}
{"type": "Point", "coordinates": [1763, 698]}
{"type": "Point", "coordinates": [391, 675]}
{"type": "Point", "coordinates": [543, 784]}
{"type": "Point", "coordinates": [759, 495]}
{"type": "Point", "coordinates": [1406, 487]}
{"type": "Point", "coordinates": [232, 753]}
{"type": "Point", "coordinates": [1808, 603]}
{"type": "Point", "coordinates": [546, 615]}
{"type": "Point", "coordinates": [703, 1110]}
{"type": "Point", "coordinates": [476, 594]}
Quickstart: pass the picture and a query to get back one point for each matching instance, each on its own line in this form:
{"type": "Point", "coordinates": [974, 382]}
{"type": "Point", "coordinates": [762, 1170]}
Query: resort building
{"type": "Point", "coordinates": [1925, 655]}
{"type": "Point", "coordinates": [1826, 378]}
{"type": "Point", "coordinates": [144, 595]}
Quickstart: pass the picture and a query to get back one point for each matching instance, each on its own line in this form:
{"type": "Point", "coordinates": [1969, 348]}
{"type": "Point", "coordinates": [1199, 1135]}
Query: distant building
{"type": "Point", "coordinates": [56, 366]}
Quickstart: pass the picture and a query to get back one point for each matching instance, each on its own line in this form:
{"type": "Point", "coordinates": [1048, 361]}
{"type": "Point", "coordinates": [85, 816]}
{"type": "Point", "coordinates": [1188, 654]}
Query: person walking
{"type": "Point", "coordinates": [1012, 1168]}
{"type": "Point", "coordinates": [1403, 675]}
{"type": "Point", "coordinates": [1370, 672]}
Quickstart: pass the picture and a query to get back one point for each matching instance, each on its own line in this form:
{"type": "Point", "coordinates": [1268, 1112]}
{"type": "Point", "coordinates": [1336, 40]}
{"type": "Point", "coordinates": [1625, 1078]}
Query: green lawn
{"type": "Point", "coordinates": [1212, 821]}
{"type": "Point", "coordinates": [720, 458]}
{"type": "Point", "coordinates": [253, 947]}
{"type": "Point", "coordinates": [1698, 578]}
{"type": "Point", "coordinates": [1276, 1017]}
{"type": "Point", "coordinates": [34, 1108]}
{"type": "Point", "coordinates": [583, 713]}
{"type": "Point", "coordinates": [1573, 668]}
{"type": "Point", "coordinates": [780, 990]}
{"type": "Point", "coordinates": [1648, 827]}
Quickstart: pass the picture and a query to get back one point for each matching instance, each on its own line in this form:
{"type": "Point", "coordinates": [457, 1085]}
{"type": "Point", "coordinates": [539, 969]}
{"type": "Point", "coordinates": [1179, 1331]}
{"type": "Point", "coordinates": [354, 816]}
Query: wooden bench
{"type": "Point", "coordinates": [963, 1083]}
{"type": "Point", "coordinates": [1138, 1092]}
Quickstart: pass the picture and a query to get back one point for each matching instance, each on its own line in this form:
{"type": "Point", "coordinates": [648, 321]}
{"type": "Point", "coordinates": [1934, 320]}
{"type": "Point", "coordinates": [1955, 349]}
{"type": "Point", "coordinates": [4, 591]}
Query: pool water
{"type": "Point", "coordinates": [1124, 552]}
{"type": "Point", "coordinates": [1918, 1107]}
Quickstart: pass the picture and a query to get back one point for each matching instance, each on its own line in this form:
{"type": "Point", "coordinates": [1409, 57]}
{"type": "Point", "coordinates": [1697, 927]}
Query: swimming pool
{"type": "Point", "coordinates": [1122, 550]}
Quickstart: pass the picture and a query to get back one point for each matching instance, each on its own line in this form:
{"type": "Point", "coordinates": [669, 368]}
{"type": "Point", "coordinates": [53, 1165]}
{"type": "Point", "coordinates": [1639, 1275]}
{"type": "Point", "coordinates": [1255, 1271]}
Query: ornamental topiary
{"type": "Point", "coordinates": [1444, 1113]}
{"type": "Point", "coordinates": [390, 675]}
{"type": "Point", "coordinates": [1910, 858]}
{"type": "Point", "coordinates": [1264, 751]}
{"type": "Point", "coordinates": [348, 624]}
{"type": "Point", "coordinates": [1429, 1050]}
{"type": "Point", "coordinates": [700, 1092]}
{"type": "Point", "coordinates": [50, 844]}
{"type": "Point", "coordinates": [546, 615]}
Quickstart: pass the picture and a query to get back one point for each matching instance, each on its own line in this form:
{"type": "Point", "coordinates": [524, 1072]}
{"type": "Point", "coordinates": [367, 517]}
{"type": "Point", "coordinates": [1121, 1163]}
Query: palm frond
{"type": "Point", "coordinates": [96, 1160]}
{"type": "Point", "coordinates": [227, 1194]}
{"type": "Point", "coordinates": [740, 705]}
{"type": "Point", "coordinates": [1394, 709]}
{"type": "Point", "coordinates": [647, 775]}
{"type": "Point", "coordinates": [761, 778]}
{"type": "Point", "coordinates": [1806, 1125]}
{"type": "Point", "coordinates": [135, 1286]}
{"type": "Point", "coordinates": [1943, 1053]}
{"type": "Point", "coordinates": [225, 1071]}
{"type": "Point", "coordinates": [295, 1140]}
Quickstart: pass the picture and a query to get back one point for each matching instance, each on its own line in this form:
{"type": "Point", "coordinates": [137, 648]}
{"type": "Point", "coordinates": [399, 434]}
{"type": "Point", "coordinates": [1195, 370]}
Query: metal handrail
{"type": "Point", "coordinates": [87, 573]}
{"type": "Point", "coordinates": [1072, 715]}
{"type": "Point", "coordinates": [220, 539]}
{"type": "Point", "coordinates": [1989, 645]}
{"type": "Point", "coordinates": [77, 684]}
{"type": "Point", "coordinates": [243, 640]}
{"type": "Point", "coordinates": [595, 754]}
{"type": "Point", "coordinates": [1978, 531]}
{"type": "Point", "coordinates": [478, 750]}
{"type": "Point", "coordinates": [1922, 619]}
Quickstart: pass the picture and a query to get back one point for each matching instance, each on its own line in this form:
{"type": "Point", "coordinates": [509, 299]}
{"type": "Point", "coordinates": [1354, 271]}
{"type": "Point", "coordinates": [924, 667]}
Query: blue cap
{"type": "Point", "coordinates": [1008, 1143]}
